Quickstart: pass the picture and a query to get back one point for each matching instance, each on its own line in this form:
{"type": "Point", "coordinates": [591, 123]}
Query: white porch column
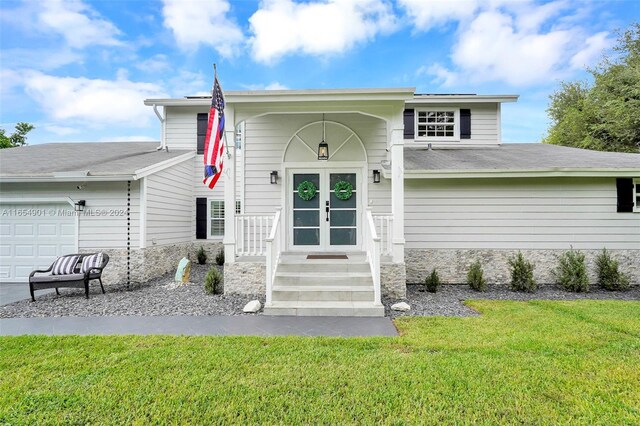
{"type": "Point", "coordinates": [229, 172]}
{"type": "Point", "coordinates": [397, 185]}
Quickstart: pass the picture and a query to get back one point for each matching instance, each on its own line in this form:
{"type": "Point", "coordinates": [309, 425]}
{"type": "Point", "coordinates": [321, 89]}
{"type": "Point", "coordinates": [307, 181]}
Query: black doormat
{"type": "Point", "coordinates": [327, 256]}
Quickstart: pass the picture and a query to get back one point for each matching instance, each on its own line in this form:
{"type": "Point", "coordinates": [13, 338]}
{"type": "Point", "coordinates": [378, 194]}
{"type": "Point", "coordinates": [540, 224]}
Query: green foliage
{"type": "Point", "coordinates": [17, 138]}
{"type": "Point", "coordinates": [522, 274]}
{"type": "Point", "coordinates": [220, 257]}
{"type": "Point", "coordinates": [202, 256]}
{"type": "Point", "coordinates": [609, 275]}
{"type": "Point", "coordinates": [604, 116]}
{"type": "Point", "coordinates": [475, 277]}
{"type": "Point", "coordinates": [213, 281]}
{"type": "Point", "coordinates": [571, 272]}
{"type": "Point", "coordinates": [432, 282]}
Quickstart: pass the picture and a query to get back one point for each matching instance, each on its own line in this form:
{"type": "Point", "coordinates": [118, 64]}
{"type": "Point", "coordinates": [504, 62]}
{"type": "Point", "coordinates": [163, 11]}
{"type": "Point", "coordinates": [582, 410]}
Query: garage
{"type": "Point", "coordinates": [32, 235]}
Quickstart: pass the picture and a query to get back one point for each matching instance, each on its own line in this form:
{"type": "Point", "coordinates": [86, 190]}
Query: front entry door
{"type": "Point", "coordinates": [326, 220]}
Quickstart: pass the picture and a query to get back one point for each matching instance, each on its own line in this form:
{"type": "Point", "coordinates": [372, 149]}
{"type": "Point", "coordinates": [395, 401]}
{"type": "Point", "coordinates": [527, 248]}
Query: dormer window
{"type": "Point", "coordinates": [437, 124]}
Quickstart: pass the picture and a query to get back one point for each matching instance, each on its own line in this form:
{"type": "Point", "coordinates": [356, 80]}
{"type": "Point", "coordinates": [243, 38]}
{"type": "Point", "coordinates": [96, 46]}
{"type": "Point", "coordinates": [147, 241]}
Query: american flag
{"type": "Point", "coordinates": [213, 143]}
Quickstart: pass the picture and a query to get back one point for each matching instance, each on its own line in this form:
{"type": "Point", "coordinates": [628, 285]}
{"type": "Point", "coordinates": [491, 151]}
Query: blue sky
{"type": "Point", "coordinates": [79, 70]}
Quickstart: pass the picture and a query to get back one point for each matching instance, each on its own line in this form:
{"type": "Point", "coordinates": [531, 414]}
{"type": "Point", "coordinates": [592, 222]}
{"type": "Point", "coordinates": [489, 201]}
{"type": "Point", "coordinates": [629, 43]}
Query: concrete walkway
{"type": "Point", "coordinates": [13, 292]}
{"type": "Point", "coordinates": [201, 326]}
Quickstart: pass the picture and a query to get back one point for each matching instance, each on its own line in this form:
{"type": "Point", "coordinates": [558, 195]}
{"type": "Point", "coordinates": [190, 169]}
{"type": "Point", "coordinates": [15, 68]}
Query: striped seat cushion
{"type": "Point", "coordinates": [64, 265]}
{"type": "Point", "coordinates": [91, 262]}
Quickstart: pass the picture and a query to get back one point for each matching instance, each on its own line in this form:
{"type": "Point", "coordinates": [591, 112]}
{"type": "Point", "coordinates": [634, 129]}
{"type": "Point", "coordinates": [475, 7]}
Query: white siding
{"type": "Point", "coordinates": [484, 125]}
{"type": "Point", "coordinates": [170, 205]}
{"type": "Point", "coordinates": [104, 222]}
{"type": "Point", "coordinates": [542, 213]}
{"type": "Point", "coordinates": [266, 138]}
{"type": "Point", "coordinates": [181, 127]}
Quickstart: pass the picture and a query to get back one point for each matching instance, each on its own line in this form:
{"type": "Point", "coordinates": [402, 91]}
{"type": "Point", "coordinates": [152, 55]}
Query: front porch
{"type": "Point", "coordinates": [296, 202]}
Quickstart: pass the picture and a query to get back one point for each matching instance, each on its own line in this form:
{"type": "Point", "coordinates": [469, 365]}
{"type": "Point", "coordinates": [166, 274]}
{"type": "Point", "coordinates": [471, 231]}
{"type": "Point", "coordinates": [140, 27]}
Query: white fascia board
{"type": "Point", "coordinates": [149, 170]}
{"type": "Point", "coordinates": [51, 178]}
{"type": "Point", "coordinates": [275, 96]}
{"type": "Point", "coordinates": [462, 174]}
{"type": "Point", "coordinates": [467, 99]}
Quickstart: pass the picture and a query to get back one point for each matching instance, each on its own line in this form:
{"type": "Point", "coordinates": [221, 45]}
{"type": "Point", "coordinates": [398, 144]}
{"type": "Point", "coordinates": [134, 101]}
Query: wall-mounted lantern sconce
{"type": "Point", "coordinates": [376, 176]}
{"type": "Point", "coordinates": [274, 177]}
{"type": "Point", "coordinates": [80, 205]}
{"type": "Point", "coordinates": [323, 147]}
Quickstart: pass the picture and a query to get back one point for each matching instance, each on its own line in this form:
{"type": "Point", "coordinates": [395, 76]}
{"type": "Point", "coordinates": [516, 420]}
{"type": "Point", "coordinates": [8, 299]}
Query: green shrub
{"type": "Point", "coordinates": [609, 276]}
{"type": "Point", "coordinates": [475, 277]}
{"type": "Point", "coordinates": [522, 274]}
{"type": "Point", "coordinates": [220, 257]}
{"type": "Point", "coordinates": [571, 272]}
{"type": "Point", "coordinates": [202, 256]}
{"type": "Point", "coordinates": [432, 282]}
{"type": "Point", "coordinates": [213, 281]}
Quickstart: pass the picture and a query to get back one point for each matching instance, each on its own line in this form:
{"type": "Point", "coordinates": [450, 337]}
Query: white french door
{"type": "Point", "coordinates": [327, 221]}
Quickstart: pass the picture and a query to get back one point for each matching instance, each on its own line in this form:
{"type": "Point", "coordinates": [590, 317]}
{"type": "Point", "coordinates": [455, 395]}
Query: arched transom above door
{"type": "Point", "coordinates": [344, 143]}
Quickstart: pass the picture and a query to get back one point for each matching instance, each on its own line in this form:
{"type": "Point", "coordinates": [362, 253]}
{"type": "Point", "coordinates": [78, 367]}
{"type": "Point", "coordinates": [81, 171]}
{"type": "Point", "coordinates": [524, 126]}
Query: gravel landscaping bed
{"type": "Point", "coordinates": [448, 301]}
{"type": "Point", "coordinates": [156, 297]}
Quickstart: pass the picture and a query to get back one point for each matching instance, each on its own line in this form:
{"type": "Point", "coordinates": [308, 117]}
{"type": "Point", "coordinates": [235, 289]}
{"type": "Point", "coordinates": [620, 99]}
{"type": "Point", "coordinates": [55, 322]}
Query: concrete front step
{"type": "Point", "coordinates": [323, 293]}
{"type": "Point", "coordinates": [333, 308]}
{"type": "Point", "coordinates": [326, 279]}
{"type": "Point", "coordinates": [322, 266]}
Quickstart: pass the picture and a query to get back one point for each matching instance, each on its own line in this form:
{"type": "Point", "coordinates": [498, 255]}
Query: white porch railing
{"type": "Point", "coordinates": [384, 229]}
{"type": "Point", "coordinates": [372, 247]}
{"type": "Point", "coordinates": [274, 248]}
{"type": "Point", "coordinates": [251, 234]}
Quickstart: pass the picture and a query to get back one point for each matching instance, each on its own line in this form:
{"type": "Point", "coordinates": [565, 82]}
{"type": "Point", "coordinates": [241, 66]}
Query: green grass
{"type": "Point", "coordinates": [536, 362]}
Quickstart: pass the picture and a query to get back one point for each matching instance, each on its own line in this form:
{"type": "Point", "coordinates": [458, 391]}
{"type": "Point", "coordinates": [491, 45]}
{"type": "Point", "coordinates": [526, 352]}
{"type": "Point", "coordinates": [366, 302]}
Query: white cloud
{"type": "Point", "coordinates": [202, 22]}
{"type": "Point", "coordinates": [60, 130]}
{"type": "Point", "coordinates": [92, 102]}
{"type": "Point", "coordinates": [282, 27]}
{"type": "Point", "coordinates": [595, 45]}
{"type": "Point", "coordinates": [428, 14]}
{"type": "Point", "coordinates": [271, 86]}
{"type": "Point", "coordinates": [128, 139]}
{"type": "Point", "coordinates": [80, 25]}
{"type": "Point", "coordinates": [155, 63]}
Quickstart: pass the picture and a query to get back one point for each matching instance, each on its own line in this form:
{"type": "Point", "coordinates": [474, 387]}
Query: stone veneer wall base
{"type": "Point", "coordinates": [452, 264]}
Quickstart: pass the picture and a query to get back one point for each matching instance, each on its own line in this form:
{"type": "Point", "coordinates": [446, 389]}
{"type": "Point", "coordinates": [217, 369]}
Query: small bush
{"type": "Point", "coordinates": [609, 276]}
{"type": "Point", "coordinates": [432, 282]}
{"type": "Point", "coordinates": [571, 272]}
{"type": "Point", "coordinates": [220, 257]}
{"type": "Point", "coordinates": [213, 281]}
{"type": "Point", "coordinates": [522, 274]}
{"type": "Point", "coordinates": [475, 277]}
{"type": "Point", "coordinates": [202, 256]}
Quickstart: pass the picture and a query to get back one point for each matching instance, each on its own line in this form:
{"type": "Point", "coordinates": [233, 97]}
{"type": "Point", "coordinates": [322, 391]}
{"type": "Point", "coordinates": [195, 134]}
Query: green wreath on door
{"type": "Point", "coordinates": [343, 190]}
{"type": "Point", "coordinates": [307, 190]}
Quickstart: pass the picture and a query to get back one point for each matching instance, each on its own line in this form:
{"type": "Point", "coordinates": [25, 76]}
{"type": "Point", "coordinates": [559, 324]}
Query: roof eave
{"type": "Point", "coordinates": [557, 172]}
{"type": "Point", "coordinates": [467, 99]}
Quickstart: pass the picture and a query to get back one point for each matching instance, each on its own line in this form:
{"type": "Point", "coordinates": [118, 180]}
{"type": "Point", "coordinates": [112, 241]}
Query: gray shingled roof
{"type": "Point", "coordinates": [106, 159]}
{"type": "Point", "coordinates": [516, 157]}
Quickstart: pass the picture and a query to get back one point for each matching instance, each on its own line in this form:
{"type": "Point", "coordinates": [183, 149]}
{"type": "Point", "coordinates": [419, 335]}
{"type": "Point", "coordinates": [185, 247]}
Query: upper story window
{"type": "Point", "coordinates": [440, 124]}
{"type": "Point", "coordinates": [636, 195]}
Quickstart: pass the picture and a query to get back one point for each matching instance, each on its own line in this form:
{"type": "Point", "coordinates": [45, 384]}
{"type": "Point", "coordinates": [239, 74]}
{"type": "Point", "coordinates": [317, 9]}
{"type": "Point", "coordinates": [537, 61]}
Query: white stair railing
{"type": "Point", "coordinates": [251, 233]}
{"type": "Point", "coordinates": [372, 247]}
{"type": "Point", "coordinates": [384, 228]}
{"type": "Point", "coordinates": [274, 248]}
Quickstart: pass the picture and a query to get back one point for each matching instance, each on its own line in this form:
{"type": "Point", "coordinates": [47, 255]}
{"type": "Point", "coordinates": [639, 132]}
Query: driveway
{"type": "Point", "coordinates": [13, 292]}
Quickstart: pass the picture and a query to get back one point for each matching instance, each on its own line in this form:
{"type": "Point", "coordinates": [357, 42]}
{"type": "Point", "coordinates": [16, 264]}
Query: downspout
{"type": "Point", "coordinates": [162, 131]}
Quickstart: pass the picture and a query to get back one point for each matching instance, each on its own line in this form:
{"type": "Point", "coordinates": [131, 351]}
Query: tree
{"type": "Point", "coordinates": [604, 115]}
{"type": "Point", "coordinates": [17, 138]}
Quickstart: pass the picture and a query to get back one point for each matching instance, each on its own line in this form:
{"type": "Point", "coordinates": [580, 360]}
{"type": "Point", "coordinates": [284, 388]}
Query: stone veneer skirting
{"type": "Point", "coordinates": [245, 278]}
{"type": "Point", "coordinates": [452, 265]}
{"type": "Point", "coordinates": [393, 279]}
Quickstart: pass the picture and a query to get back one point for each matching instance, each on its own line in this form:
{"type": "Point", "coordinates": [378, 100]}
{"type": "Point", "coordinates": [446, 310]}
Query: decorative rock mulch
{"type": "Point", "coordinates": [157, 297]}
{"type": "Point", "coordinates": [448, 301]}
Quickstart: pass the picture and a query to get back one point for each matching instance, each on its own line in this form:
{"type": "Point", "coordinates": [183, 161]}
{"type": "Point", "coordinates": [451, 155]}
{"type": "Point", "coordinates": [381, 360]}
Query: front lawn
{"type": "Point", "coordinates": [537, 362]}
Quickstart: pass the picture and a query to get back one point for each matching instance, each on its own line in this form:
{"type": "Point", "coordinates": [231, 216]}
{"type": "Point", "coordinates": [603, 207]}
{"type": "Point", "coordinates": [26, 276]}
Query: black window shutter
{"type": "Point", "coordinates": [201, 218]}
{"type": "Point", "coordinates": [465, 124]}
{"type": "Point", "coordinates": [625, 194]}
{"type": "Point", "coordinates": [409, 124]}
{"type": "Point", "coordinates": [203, 120]}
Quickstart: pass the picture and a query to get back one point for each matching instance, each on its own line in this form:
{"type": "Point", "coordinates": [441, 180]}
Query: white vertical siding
{"type": "Point", "coordinates": [170, 205]}
{"type": "Point", "coordinates": [523, 213]}
{"type": "Point", "coordinates": [104, 221]}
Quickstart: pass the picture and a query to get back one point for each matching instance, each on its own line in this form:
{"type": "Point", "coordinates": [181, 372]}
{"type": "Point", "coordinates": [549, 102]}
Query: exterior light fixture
{"type": "Point", "coordinates": [323, 147]}
{"type": "Point", "coordinates": [80, 205]}
{"type": "Point", "coordinates": [376, 176]}
{"type": "Point", "coordinates": [274, 177]}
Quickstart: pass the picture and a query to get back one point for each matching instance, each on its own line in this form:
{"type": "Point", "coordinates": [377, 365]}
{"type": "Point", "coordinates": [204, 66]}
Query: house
{"type": "Point", "coordinates": [408, 182]}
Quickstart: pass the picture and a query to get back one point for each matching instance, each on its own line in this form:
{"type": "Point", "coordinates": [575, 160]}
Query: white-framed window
{"type": "Point", "coordinates": [636, 195]}
{"type": "Point", "coordinates": [216, 217]}
{"type": "Point", "coordinates": [437, 124]}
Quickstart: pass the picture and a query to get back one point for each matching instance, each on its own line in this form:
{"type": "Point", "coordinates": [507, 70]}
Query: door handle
{"type": "Point", "coordinates": [327, 209]}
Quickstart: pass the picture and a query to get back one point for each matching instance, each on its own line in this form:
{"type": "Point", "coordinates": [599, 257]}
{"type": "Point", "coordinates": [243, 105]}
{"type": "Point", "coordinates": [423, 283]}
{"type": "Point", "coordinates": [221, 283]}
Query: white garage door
{"type": "Point", "coordinates": [32, 236]}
